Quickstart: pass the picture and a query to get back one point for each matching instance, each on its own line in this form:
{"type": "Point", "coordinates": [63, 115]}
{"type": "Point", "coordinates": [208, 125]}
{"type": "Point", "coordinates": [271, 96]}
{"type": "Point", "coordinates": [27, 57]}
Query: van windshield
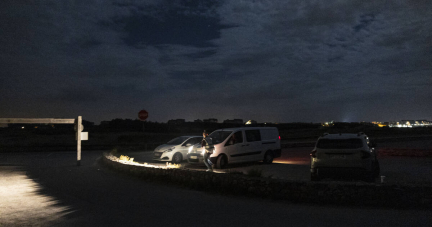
{"type": "Point", "coordinates": [339, 143]}
{"type": "Point", "coordinates": [219, 136]}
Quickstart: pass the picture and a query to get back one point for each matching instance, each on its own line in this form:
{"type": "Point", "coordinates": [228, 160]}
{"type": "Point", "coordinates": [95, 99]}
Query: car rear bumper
{"type": "Point", "coordinates": [365, 164]}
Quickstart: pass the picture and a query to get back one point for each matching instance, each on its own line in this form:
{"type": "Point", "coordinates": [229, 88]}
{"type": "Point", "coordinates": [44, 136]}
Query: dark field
{"type": "Point", "coordinates": [63, 139]}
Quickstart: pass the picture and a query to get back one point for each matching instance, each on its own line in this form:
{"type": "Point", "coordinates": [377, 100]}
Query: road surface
{"type": "Point", "coordinates": [295, 162]}
{"type": "Point", "coordinates": [48, 189]}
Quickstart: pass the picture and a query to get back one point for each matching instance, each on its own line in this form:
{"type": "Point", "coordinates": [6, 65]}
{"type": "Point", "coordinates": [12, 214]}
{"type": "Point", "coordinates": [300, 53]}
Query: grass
{"type": "Point", "coordinates": [126, 158]}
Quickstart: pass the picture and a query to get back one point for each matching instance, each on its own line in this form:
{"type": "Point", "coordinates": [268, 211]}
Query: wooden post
{"type": "Point", "coordinates": [79, 129]}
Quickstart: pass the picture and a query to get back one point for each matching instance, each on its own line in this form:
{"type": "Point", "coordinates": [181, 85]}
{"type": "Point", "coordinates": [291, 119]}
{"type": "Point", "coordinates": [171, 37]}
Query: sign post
{"type": "Point", "coordinates": [143, 115]}
{"type": "Point", "coordinates": [79, 128]}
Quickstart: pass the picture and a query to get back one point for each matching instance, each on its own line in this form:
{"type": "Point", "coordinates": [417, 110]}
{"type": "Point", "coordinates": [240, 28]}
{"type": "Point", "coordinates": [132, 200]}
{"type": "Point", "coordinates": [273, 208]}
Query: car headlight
{"type": "Point", "coordinates": [190, 149]}
{"type": "Point", "coordinates": [214, 151]}
{"type": "Point", "coordinates": [169, 150]}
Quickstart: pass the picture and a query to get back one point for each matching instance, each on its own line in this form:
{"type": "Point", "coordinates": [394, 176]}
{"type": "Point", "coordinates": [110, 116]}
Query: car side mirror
{"type": "Point", "coordinates": [188, 144]}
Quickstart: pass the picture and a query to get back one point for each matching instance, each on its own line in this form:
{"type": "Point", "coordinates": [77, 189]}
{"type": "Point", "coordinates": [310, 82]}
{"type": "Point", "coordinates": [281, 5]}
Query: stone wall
{"type": "Point", "coordinates": [325, 193]}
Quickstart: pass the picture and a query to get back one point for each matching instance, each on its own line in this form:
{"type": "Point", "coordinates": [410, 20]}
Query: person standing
{"type": "Point", "coordinates": [206, 152]}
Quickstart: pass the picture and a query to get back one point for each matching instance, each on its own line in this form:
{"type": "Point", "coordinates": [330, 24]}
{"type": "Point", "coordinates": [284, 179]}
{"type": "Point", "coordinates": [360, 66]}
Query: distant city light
{"type": "Point", "coordinates": [404, 123]}
{"type": "Point", "coordinates": [251, 122]}
{"type": "Point", "coordinates": [328, 124]}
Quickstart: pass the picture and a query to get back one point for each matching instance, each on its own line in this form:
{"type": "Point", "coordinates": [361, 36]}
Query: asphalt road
{"type": "Point", "coordinates": [295, 162]}
{"type": "Point", "coordinates": [48, 189]}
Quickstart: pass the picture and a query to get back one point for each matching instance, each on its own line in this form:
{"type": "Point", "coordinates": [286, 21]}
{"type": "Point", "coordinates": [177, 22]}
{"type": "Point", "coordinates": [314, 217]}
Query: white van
{"type": "Point", "coordinates": [234, 145]}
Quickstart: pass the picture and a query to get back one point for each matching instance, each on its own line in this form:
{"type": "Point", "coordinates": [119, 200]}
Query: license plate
{"type": "Point", "coordinates": [193, 157]}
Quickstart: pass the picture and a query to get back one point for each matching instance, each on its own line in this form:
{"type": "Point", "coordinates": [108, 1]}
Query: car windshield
{"type": "Point", "coordinates": [219, 136]}
{"type": "Point", "coordinates": [178, 140]}
{"type": "Point", "coordinates": [339, 143]}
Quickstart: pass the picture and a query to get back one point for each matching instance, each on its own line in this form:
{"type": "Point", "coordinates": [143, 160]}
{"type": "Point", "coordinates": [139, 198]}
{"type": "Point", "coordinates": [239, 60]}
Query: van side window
{"type": "Point", "coordinates": [235, 138]}
{"type": "Point", "coordinates": [253, 135]}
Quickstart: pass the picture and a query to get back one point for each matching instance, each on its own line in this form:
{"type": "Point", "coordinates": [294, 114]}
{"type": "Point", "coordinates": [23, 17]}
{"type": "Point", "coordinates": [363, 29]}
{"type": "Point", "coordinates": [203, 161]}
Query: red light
{"type": "Point", "coordinates": [313, 153]}
{"type": "Point", "coordinates": [279, 137]}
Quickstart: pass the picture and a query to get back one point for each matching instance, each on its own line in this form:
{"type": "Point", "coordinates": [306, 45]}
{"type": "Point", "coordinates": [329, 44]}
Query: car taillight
{"type": "Point", "coordinates": [279, 137]}
{"type": "Point", "coordinates": [365, 154]}
{"type": "Point", "coordinates": [313, 153]}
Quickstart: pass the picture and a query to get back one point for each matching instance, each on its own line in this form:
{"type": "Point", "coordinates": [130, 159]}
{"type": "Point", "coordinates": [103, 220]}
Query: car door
{"type": "Point", "coordinates": [234, 146]}
{"type": "Point", "coordinates": [253, 146]}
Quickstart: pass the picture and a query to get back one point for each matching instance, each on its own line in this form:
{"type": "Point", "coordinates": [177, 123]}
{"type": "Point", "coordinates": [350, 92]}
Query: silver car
{"type": "Point", "coordinates": [175, 150]}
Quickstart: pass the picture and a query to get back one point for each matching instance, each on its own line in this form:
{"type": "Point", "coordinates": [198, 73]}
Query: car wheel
{"type": "Point", "coordinates": [177, 158]}
{"type": "Point", "coordinates": [268, 157]}
{"type": "Point", "coordinates": [221, 162]}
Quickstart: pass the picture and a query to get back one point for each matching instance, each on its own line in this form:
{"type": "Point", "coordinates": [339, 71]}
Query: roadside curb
{"type": "Point", "coordinates": [323, 193]}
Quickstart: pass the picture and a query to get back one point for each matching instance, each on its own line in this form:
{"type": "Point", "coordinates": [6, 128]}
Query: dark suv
{"type": "Point", "coordinates": [344, 153]}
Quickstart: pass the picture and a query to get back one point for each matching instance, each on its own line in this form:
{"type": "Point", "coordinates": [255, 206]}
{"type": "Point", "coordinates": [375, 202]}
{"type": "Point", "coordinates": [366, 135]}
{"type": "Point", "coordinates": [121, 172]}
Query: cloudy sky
{"type": "Point", "coordinates": [267, 60]}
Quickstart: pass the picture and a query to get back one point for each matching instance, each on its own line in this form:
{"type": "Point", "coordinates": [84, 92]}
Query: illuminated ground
{"type": "Point", "coordinates": [22, 204]}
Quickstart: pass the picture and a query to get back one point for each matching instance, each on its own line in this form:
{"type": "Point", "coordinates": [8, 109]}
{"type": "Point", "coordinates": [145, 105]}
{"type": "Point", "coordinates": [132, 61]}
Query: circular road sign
{"type": "Point", "coordinates": [143, 115]}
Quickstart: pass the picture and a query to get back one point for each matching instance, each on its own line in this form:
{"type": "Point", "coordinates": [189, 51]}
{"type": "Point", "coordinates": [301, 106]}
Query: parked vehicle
{"type": "Point", "coordinates": [175, 150]}
{"type": "Point", "coordinates": [234, 145]}
{"type": "Point", "coordinates": [344, 153]}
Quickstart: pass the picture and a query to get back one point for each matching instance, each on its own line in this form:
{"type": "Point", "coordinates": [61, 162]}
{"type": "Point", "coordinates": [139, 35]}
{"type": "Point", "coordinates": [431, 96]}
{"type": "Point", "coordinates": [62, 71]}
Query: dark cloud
{"type": "Point", "coordinates": [201, 54]}
{"type": "Point", "coordinates": [365, 21]}
{"type": "Point", "coordinates": [268, 60]}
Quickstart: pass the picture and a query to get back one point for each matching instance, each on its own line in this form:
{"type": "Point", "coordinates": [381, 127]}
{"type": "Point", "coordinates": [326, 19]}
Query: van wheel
{"type": "Point", "coordinates": [177, 158]}
{"type": "Point", "coordinates": [221, 162]}
{"type": "Point", "coordinates": [268, 157]}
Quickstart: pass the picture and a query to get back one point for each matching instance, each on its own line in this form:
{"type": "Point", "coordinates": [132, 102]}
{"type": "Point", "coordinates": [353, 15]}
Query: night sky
{"type": "Point", "coordinates": [269, 60]}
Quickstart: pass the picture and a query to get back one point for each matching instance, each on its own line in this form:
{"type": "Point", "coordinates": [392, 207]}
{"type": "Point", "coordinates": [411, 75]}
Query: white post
{"type": "Point", "coordinates": [79, 129]}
